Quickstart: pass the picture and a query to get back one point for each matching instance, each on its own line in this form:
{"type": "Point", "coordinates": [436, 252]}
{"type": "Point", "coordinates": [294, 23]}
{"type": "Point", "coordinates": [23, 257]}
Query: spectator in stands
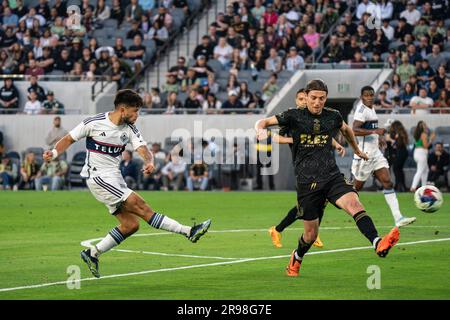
{"type": "Point", "coordinates": [388, 29]}
{"type": "Point", "coordinates": [233, 101]}
{"type": "Point", "coordinates": [180, 69]}
{"type": "Point", "coordinates": [245, 96]}
{"type": "Point", "coordinates": [103, 55]}
{"type": "Point", "coordinates": [133, 11]}
{"type": "Point", "coordinates": [232, 83]}
{"type": "Point", "coordinates": [158, 33]}
{"type": "Point", "coordinates": [312, 37]}
{"type": "Point", "coordinates": [211, 104]}
{"type": "Point", "coordinates": [155, 177]}
{"type": "Point", "coordinates": [436, 58]}
{"type": "Point", "coordinates": [119, 48]}
{"type": "Point", "coordinates": [172, 104]}
{"type": "Point", "coordinates": [33, 105]}
{"type": "Point", "coordinates": [102, 11]}
{"type": "Point", "coordinates": [438, 162]}
{"type": "Point", "coordinates": [28, 171]}
{"type": "Point", "coordinates": [164, 17]}
{"type": "Point", "coordinates": [76, 51]}
{"type": "Point", "coordinates": [9, 97]}
{"type": "Point", "coordinates": [423, 140]}
{"type": "Point", "coordinates": [63, 62]}
{"type": "Point", "coordinates": [435, 36]}
{"type": "Point", "coordinates": [407, 94]}
{"type": "Point", "coordinates": [274, 61]}
{"type": "Point", "coordinates": [171, 84]}
{"type": "Point", "coordinates": [383, 101]}
{"type": "Point", "coordinates": [92, 72]}
{"type": "Point", "coordinates": [136, 52]}
{"type": "Point", "coordinates": [398, 138]}
{"type": "Point", "coordinates": [421, 28]}
{"type": "Point", "coordinates": [425, 74]}
{"type": "Point", "coordinates": [202, 70]}
{"type": "Point", "coordinates": [129, 169]}
{"type": "Point", "coordinates": [258, 10]}
{"type": "Point", "coordinates": [46, 61]}
{"type": "Point", "coordinates": [433, 92]}
{"type": "Point", "coordinates": [117, 12]}
{"type": "Point", "coordinates": [192, 104]}
{"type": "Point", "coordinates": [421, 104]}
{"type": "Point", "coordinates": [134, 30]}
{"type": "Point", "coordinates": [9, 172]}
{"type": "Point", "coordinates": [34, 86]}
{"type": "Point", "coordinates": [358, 61]}
{"type": "Point", "coordinates": [9, 19]}
{"type": "Point", "coordinates": [198, 176]}
{"type": "Point", "coordinates": [173, 173]}
{"type": "Point", "coordinates": [205, 48]}
{"type": "Point", "coordinates": [222, 52]}
{"type": "Point", "coordinates": [182, 4]}
{"type": "Point", "coordinates": [405, 69]}
{"type": "Point", "coordinates": [270, 87]}
{"type": "Point", "coordinates": [191, 81]}
{"type": "Point", "coordinates": [443, 102]}
{"type": "Point", "coordinates": [363, 7]}
{"type": "Point", "coordinates": [52, 106]}
{"type": "Point", "coordinates": [440, 77]}
{"type": "Point", "coordinates": [294, 61]}
{"type": "Point", "coordinates": [411, 14]}
{"type": "Point", "coordinates": [51, 174]}
{"type": "Point", "coordinates": [424, 48]}
{"type": "Point", "coordinates": [333, 52]}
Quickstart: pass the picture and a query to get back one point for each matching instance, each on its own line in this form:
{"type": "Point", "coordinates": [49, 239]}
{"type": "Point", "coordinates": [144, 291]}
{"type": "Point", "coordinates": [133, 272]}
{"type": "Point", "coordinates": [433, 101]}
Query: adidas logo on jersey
{"type": "Point", "coordinates": [103, 134]}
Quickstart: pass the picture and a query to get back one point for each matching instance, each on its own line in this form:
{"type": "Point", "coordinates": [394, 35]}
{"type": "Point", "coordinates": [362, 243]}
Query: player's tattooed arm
{"type": "Point", "coordinates": [282, 140]}
{"type": "Point", "coordinates": [360, 131]}
{"type": "Point", "coordinates": [348, 134]}
{"type": "Point", "coordinates": [262, 124]}
{"type": "Point", "coordinates": [62, 145]}
{"type": "Point", "coordinates": [147, 156]}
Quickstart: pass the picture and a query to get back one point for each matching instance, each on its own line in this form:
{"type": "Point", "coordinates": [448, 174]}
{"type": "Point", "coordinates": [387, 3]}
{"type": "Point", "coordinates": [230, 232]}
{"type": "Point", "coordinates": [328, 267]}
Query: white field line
{"type": "Point", "coordinates": [176, 255]}
{"type": "Point", "coordinates": [88, 243]}
{"type": "Point", "coordinates": [207, 265]}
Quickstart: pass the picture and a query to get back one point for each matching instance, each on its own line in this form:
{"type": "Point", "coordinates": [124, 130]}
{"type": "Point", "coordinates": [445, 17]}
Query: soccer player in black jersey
{"type": "Point", "coordinates": [318, 177]}
{"type": "Point", "coordinates": [284, 137]}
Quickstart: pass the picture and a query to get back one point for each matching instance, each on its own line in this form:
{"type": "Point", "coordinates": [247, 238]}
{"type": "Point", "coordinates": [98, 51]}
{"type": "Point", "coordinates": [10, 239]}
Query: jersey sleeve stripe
{"type": "Point", "coordinates": [100, 116]}
{"type": "Point", "coordinates": [133, 128]}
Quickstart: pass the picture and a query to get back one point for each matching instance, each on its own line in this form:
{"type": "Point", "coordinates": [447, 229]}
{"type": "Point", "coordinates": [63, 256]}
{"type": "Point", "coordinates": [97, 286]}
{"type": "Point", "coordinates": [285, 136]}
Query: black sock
{"type": "Point", "coordinates": [366, 226]}
{"type": "Point", "coordinates": [288, 220]}
{"type": "Point", "coordinates": [302, 248]}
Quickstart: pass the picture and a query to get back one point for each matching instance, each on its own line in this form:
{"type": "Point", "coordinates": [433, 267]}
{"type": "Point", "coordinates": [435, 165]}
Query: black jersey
{"type": "Point", "coordinates": [314, 159]}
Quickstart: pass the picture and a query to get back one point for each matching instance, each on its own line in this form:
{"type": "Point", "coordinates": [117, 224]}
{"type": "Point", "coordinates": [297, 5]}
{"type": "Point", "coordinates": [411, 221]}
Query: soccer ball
{"type": "Point", "coordinates": [428, 198]}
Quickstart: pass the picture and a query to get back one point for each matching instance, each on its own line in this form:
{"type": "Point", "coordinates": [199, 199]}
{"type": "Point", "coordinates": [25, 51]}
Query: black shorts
{"type": "Point", "coordinates": [312, 197]}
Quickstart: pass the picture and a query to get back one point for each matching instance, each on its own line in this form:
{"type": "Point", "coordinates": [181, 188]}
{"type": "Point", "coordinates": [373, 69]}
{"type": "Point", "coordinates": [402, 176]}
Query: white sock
{"type": "Point", "coordinates": [112, 239]}
{"type": "Point", "coordinates": [392, 201]}
{"type": "Point", "coordinates": [160, 221]}
{"type": "Point", "coordinates": [375, 242]}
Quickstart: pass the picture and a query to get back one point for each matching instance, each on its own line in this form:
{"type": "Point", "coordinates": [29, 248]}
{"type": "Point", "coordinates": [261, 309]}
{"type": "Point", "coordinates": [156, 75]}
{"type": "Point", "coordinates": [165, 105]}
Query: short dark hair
{"type": "Point", "coordinates": [366, 88]}
{"type": "Point", "coordinates": [316, 84]}
{"type": "Point", "coordinates": [301, 90]}
{"type": "Point", "coordinates": [128, 98]}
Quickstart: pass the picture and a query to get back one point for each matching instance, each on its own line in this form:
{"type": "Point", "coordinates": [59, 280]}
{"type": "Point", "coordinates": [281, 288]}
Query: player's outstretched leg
{"type": "Point", "coordinates": [351, 204]}
{"type": "Point", "coordinates": [390, 196]}
{"type": "Point", "coordinates": [311, 229]}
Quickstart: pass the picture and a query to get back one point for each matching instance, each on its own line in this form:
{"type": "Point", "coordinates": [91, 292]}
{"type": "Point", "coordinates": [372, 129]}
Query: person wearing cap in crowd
{"type": "Point", "coordinates": [411, 14]}
{"type": "Point", "coordinates": [76, 50]}
{"type": "Point", "coordinates": [232, 102]}
{"type": "Point", "coordinates": [34, 86]}
{"type": "Point", "coordinates": [294, 61]}
{"type": "Point", "coordinates": [9, 97]}
{"type": "Point", "coordinates": [51, 105]}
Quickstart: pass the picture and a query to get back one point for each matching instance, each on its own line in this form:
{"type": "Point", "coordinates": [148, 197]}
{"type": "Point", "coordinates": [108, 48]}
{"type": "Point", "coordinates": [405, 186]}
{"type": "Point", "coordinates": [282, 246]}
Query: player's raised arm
{"type": "Point", "coordinates": [262, 124]}
{"type": "Point", "coordinates": [61, 146]}
{"type": "Point", "coordinates": [147, 156]}
{"type": "Point", "coordinates": [282, 140]}
{"type": "Point", "coordinates": [347, 132]}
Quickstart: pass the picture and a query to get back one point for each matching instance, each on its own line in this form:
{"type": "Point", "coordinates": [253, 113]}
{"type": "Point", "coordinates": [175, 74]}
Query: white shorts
{"type": "Point", "coordinates": [111, 191]}
{"type": "Point", "coordinates": [362, 169]}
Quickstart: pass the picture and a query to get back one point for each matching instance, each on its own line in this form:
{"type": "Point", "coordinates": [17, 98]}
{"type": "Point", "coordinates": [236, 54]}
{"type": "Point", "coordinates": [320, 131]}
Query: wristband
{"type": "Point", "coordinates": [54, 154]}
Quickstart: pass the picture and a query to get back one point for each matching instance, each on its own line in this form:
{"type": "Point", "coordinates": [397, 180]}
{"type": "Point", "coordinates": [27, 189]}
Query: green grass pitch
{"type": "Point", "coordinates": [41, 233]}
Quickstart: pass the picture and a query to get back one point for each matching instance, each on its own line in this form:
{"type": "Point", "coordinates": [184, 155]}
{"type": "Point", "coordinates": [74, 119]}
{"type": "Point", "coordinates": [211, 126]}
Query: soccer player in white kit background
{"type": "Point", "coordinates": [365, 127]}
{"type": "Point", "coordinates": [106, 135]}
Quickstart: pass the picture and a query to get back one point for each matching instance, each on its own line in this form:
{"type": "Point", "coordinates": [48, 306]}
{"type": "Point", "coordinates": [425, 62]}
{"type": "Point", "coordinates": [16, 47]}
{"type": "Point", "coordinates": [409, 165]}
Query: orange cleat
{"type": "Point", "coordinates": [276, 237]}
{"type": "Point", "coordinates": [293, 269]}
{"type": "Point", "coordinates": [388, 241]}
{"type": "Point", "coordinates": [318, 243]}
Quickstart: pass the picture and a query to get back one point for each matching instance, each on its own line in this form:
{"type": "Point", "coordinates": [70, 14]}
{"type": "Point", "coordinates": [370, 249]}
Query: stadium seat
{"type": "Point", "coordinates": [110, 23]}
{"type": "Point", "coordinates": [215, 65]}
{"type": "Point", "coordinates": [13, 154]}
{"type": "Point", "coordinates": [73, 177]}
{"type": "Point", "coordinates": [194, 5]}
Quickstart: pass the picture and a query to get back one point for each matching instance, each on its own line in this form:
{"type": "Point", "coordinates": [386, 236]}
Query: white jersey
{"type": "Point", "coordinates": [369, 143]}
{"type": "Point", "coordinates": [105, 143]}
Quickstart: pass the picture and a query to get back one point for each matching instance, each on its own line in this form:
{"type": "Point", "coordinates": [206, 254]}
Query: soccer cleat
{"type": "Point", "coordinates": [198, 230]}
{"type": "Point", "coordinates": [404, 221]}
{"type": "Point", "coordinates": [276, 237]}
{"type": "Point", "coordinates": [318, 243]}
{"type": "Point", "coordinates": [388, 241]}
{"type": "Point", "coordinates": [91, 262]}
{"type": "Point", "coordinates": [293, 268]}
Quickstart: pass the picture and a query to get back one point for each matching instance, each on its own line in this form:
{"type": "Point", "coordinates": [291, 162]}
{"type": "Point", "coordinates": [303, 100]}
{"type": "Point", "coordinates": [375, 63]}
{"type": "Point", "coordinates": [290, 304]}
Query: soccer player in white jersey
{"type": "Point", "coordinates": [106, 135]}
{"type": "Point", "coordinates": [370, 138]}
